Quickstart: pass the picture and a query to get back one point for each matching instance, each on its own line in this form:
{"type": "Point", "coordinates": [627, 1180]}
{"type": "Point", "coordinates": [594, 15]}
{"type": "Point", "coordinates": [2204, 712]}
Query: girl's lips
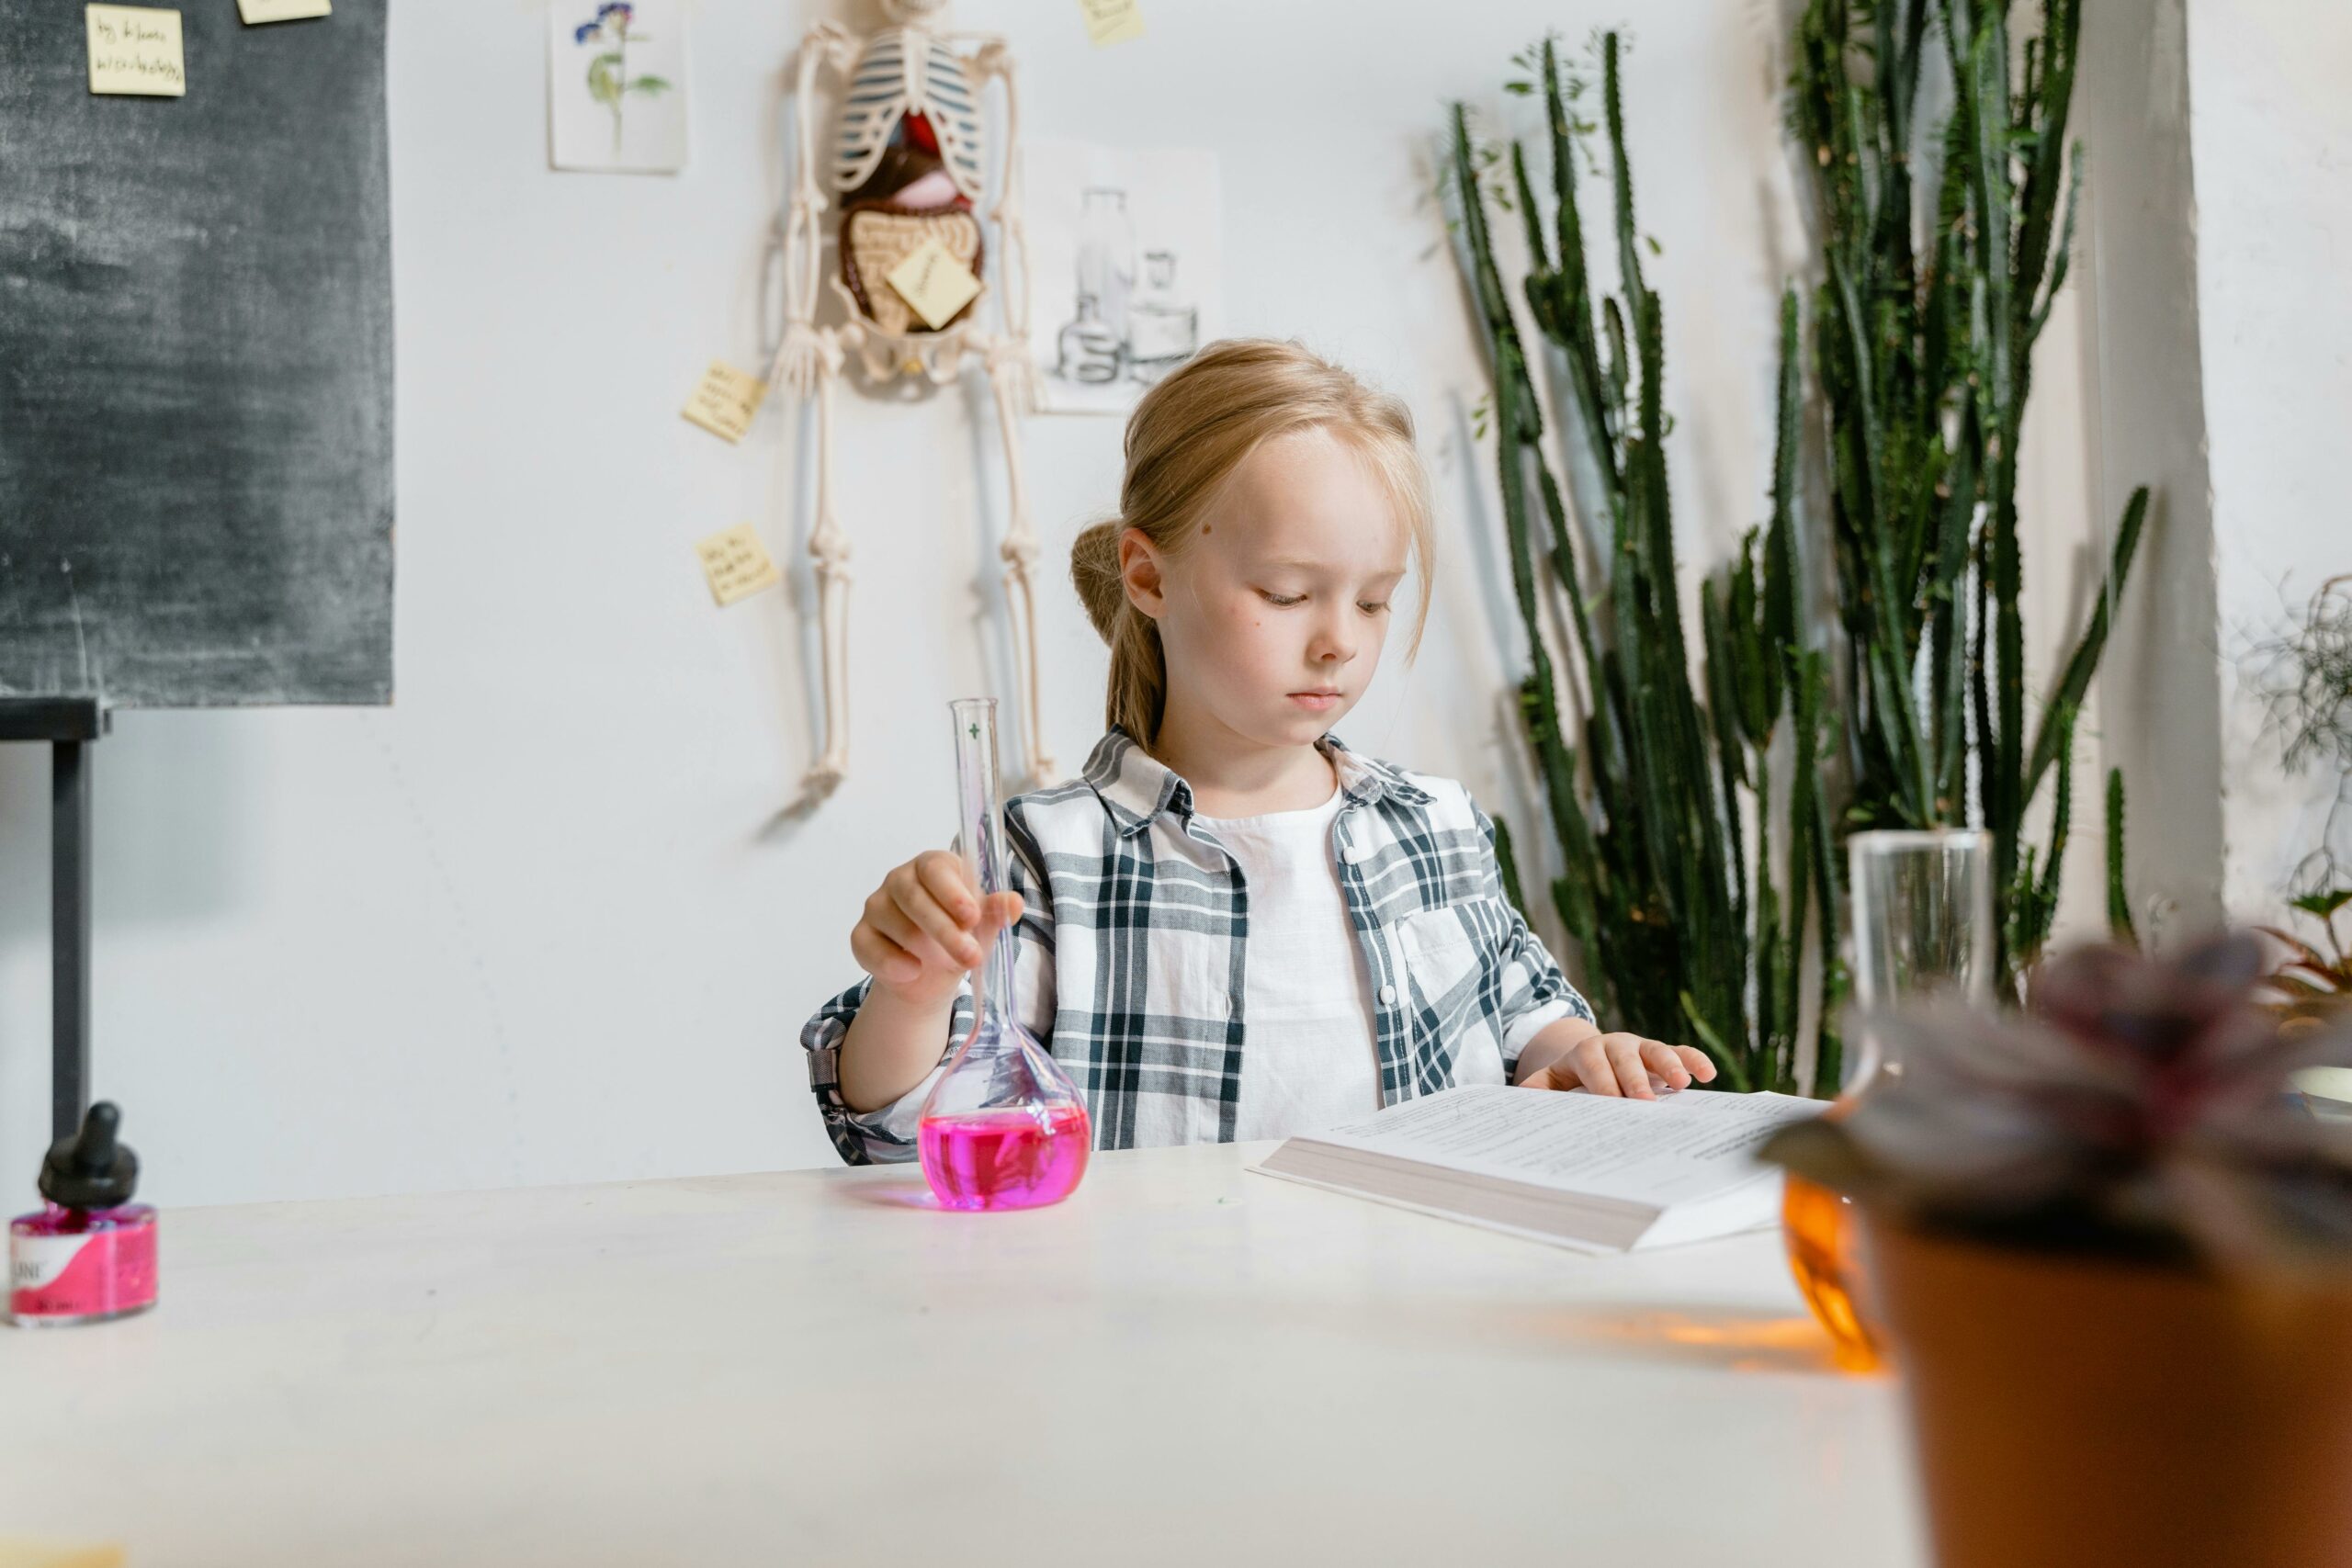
{"type": "Point", "coordinates": [1315, 702]}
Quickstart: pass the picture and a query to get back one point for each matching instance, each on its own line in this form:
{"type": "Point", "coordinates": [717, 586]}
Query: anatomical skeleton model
{"type": "Point", "coordinates": [908, 158]}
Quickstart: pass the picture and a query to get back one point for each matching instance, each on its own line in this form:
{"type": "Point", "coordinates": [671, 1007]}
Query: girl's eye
{"type": "Point", "coordinates": [1282, 600]}
{"type": "Point", "coordinates": [1370, 608]}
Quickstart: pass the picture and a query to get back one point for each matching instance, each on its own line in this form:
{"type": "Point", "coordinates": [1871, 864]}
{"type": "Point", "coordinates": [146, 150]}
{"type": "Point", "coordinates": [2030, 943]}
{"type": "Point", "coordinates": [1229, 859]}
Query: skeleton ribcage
{"type": "Point", "coordinates": [907, 71]}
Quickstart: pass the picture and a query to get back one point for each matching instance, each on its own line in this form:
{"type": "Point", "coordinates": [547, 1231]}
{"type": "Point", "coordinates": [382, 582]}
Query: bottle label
{"type": "Point", "coordinates": [94, 1273]}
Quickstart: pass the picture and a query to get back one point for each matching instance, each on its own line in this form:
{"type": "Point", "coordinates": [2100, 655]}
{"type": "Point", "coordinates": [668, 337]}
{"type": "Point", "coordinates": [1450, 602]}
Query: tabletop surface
{"type": "Point", "coordinates": [1184, 1363]}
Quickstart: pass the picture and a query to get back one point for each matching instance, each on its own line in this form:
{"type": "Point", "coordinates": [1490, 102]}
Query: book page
{"type": "Point", "coordinates": [1671, 1150]}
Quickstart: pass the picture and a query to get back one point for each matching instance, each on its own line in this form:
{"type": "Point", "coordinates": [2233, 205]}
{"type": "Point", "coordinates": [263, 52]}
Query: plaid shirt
{"type": "Point", "coordinates": [1132, 951]}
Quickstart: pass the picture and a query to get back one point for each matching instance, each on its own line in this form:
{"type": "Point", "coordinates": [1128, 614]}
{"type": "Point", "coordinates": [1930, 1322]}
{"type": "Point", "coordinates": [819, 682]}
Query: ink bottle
{"type": "Point", "coordinates": [89, 1254]}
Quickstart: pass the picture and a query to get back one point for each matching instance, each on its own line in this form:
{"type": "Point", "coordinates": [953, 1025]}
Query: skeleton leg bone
{"type": "Point", "coordinates": [1007, 357]}
{"type": "Point", "coordinates": [829, 546]}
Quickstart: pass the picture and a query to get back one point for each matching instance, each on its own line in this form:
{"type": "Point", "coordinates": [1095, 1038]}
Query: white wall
{"type": "Point", "coordinates": [2272, 131]}
{"type": "Point", "coordinates": [540, 920]}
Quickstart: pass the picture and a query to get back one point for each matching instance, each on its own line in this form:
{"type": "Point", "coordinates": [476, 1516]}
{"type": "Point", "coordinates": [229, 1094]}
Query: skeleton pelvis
{"type": "Point", "coordinates": [878, 235]}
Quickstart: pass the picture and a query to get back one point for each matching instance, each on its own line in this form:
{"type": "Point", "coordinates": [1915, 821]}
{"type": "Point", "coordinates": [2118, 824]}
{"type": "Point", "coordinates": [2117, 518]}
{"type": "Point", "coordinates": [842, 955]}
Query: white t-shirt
{"type": "Point", "coordinates": [1308, 1060]}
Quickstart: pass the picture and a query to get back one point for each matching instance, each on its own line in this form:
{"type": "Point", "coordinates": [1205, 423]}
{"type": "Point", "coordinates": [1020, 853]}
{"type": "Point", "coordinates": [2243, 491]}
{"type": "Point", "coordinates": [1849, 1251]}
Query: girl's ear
{"type": "Point", "coordinates": [1139, 572]}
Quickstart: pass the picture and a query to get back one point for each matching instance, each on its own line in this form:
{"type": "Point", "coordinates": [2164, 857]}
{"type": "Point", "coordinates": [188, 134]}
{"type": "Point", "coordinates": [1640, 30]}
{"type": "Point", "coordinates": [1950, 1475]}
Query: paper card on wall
{"type": "Point", "coordinates": [23, 1551]}
{"type": "Point", "coordinates": [1133, 235]}
{"type": "Point", "coordinates": [737, 564]}
{"type": "Point", "coordinates": [256, 12]}
{"type": "Point", "coordinates": [726, 400]}
{"type": "Point", "coordinates": [933, 281]}
{"type": "Point", "coordinates": [136, 49]}
{"type": "Point", "coordinates": [1112, 21]}
{"type": "Point", "coordinates": [617, 86]}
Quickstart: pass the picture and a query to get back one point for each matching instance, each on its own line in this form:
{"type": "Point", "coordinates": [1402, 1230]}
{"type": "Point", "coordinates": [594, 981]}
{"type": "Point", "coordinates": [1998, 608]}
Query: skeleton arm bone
{"type": "Point", "coordinates": [993, 59]}
{"type": "Point", "coordinates": [797, 356]}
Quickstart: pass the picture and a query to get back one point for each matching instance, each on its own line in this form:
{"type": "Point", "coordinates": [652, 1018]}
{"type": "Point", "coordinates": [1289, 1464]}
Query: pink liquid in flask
{"type": "Point", "coordinates": [1017, 1159]}
{"type": "Point", "coordinates": [1004, 1127]}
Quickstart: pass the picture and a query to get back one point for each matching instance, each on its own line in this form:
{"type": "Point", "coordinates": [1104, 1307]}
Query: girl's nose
{"type": "Point", "coordinates": [1333, 645]}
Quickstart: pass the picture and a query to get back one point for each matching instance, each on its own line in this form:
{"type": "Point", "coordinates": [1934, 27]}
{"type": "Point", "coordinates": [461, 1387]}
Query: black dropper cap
{"type": "Point", "coordinates": [92, 1170]}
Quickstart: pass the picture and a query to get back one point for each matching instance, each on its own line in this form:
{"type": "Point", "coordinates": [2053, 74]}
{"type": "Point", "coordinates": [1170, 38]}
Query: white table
{"type": "Point", "coordinates": [1185, 1363]}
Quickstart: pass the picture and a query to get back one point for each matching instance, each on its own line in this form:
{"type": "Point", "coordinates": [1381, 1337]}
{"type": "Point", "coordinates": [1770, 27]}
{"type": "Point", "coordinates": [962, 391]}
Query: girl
{"type": "Point", "coordinates": [1233, 926]}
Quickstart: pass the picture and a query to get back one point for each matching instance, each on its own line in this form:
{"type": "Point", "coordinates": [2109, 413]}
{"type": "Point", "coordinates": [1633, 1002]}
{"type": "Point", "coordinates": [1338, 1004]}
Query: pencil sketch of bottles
{"type": "Point", "coordinates": [608, 80]}
{"type": "Point", "coordinates": [1163, 327]}
{"type": "Point", "coordinates": [1092, 347]}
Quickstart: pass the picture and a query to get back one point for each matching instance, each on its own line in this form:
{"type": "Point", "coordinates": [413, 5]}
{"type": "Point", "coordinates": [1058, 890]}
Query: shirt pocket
{"type": "Point", "coordinates": [1445, 967]}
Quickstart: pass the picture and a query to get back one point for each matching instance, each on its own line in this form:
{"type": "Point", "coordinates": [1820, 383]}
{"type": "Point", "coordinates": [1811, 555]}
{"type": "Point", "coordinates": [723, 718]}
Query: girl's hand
{"type": "Point", "coordinates": [925, 928]}
{"type": "Point", "coordinates": [1622, 1064]}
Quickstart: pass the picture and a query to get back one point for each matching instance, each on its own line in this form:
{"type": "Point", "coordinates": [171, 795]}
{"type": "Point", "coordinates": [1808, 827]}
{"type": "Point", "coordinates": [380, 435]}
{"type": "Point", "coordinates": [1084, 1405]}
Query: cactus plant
{"type": "Point", "coordinates": [1913, 713]}
{"type": "Point", "coordinates": [1687, 935]}
{"type": "Point", "coordinates": [1924, 348]}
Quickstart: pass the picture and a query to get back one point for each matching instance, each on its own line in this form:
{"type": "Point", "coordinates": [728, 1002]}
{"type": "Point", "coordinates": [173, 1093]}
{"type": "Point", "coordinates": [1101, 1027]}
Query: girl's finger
{"type": "Point", "coordinates": [1625, 1057]}
{"type": "Point", "coordinates": [893, 922]}
{"type": "Point", "coordinates": [1664, 1061]}
{"type": "Point", "coordinates": [954, 936]}
{"type": "Point", "coordinates": [1590, 1058]}
{"type": "Point", "coordinates": [943, 877]}
{"type": "Point", "coordinates": [881, 957]}
{"type": "Point", "coordinates": [1697, 1062]}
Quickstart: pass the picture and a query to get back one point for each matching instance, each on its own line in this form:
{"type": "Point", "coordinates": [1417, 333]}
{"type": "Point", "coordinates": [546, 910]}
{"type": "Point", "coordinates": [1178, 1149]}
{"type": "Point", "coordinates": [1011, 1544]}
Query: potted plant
{"type": "Point", "coordinates": [2115, 1258]}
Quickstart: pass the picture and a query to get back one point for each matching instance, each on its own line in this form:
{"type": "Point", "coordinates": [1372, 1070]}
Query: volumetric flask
{"type": "Point", "coordinates": [1922, 924]}
{"type": "Point", "coordinates": [1004, 1127]}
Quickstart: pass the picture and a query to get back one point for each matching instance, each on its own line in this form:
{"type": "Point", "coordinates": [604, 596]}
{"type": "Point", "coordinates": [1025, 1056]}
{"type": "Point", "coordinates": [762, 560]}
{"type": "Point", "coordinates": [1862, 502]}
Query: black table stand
{"type": "Point", "coordinates": [71, 725]}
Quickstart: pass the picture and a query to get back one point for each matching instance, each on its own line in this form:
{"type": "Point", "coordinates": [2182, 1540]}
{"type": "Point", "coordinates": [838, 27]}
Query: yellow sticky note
{"type": "Point", "coordinates": [737, 564]}
{"type": "Point", "coordinates": [726, 400]}
{"type": "Point", "coordinates": [256, 12]}
{"type": "Point", "coordinates": [1112, 21]}
{"type": "Point", "coordinates": [16, 1551]}
{"type": "Point", "coordinates": [136, 49]}
{"type": "Point", "coordinates": [933, 281]}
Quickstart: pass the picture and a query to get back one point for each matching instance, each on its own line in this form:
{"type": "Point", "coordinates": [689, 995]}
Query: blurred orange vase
{"type": "Point", "coordinates": [1922, 924]}
{"type": "Point", "coordinates": [1824, 1240]}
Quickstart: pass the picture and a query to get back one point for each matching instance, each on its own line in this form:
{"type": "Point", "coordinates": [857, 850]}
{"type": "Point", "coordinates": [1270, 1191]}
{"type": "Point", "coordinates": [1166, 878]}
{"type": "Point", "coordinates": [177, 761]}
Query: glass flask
{"type": "Point", "coordinates": [1085, 349]}
{"type": "Point", "coordinates": [1922, 924]}
{"type": "Point", "coordinates": [1004, 1127]}
{"type": "Point", "coordinates": [1164, 329]}
{"type": "Point", "coordinates": [1106, 258]}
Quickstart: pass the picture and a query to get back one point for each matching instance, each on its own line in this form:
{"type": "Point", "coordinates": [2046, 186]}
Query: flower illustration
{"type": "Point", "coordinates": [608, 78]}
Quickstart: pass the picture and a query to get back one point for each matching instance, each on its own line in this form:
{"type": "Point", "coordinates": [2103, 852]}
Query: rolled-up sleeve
{"type": "Point", "coordinates": [1535, 992]}
{"type": "Point", "coordinates": [886, 1134]}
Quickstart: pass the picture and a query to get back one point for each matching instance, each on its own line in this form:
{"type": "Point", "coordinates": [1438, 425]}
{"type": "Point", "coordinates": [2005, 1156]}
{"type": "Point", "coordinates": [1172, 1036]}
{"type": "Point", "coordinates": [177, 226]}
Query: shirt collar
{"type": "Point", "coordinates": [1135, 786]}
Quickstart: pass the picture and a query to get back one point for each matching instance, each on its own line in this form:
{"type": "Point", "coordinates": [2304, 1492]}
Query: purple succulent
{"type": "Point", "coordinates": [2137, 1107]}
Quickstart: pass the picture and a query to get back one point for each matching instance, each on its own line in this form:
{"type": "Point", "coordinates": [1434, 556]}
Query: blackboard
{"type": "Point", "coordinates": [196, 366]}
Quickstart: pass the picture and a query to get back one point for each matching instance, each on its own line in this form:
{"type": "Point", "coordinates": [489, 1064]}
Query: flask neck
{"type": "Point", "coordinates": [980, 814]}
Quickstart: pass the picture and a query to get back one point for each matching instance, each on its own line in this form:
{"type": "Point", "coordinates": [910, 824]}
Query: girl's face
{"type": "Point", "coordinates": [1273, 616]}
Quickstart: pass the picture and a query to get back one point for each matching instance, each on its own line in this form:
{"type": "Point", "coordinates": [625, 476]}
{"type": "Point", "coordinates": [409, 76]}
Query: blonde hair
{"type": "Point", "coordinates": [1184, 440]}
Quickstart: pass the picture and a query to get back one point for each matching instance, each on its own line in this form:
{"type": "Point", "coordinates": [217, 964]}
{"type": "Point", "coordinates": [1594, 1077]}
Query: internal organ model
{"type": "Point", "coordinates": [906, 162]}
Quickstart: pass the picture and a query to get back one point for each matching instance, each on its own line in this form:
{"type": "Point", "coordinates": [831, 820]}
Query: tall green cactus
{"type": "Point", "coordinates": [1915, 713]}
{"type": "Point", "coordinates": [1680, 937]}
{"type": "Point", "coordinates": [1924, 346]}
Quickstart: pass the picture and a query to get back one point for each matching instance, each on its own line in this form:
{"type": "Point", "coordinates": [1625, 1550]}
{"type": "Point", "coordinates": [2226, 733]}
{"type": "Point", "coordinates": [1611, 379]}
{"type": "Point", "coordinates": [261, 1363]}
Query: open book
{"type": "Point", "coordinates": [1587, 1171]}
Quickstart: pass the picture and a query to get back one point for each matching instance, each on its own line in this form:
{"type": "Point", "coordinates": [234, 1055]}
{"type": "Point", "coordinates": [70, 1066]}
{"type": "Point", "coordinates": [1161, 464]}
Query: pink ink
{"type": "Point", "coordinates": [1004, 1127]}
{"type": "Point", "coordinates": [1019, 1158]}
{"type": "Point", "coordinates": [89, 1253]}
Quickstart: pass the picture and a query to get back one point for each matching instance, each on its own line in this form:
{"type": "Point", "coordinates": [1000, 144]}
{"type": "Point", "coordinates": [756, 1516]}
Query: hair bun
{"type": "Point", "coordinates": [1094, 570]}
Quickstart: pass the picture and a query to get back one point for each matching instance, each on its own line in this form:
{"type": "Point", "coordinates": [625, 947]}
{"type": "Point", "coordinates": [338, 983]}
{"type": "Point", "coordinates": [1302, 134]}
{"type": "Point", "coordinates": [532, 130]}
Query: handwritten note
{"type": "Point", "coordinates": [726, 400]}
{"type": "Point", "coordinates": [136, 49]}
{"type": "Point", "coordinates": [737, 564]}
{"type": "Point", "coordinates": [256, 12]}
{"type": "Point", "coordinates": [23, 1551]}
{"type": "Point", "coordinates": [1112, 21]}
{"type": "Point", "coordinates": [933, 281]}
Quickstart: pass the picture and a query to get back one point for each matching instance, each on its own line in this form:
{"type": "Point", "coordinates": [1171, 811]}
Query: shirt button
{"type": "Point", "coordinates": [1388, 996]}
{"type": "Point", "coordinates": [1351, 854]}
